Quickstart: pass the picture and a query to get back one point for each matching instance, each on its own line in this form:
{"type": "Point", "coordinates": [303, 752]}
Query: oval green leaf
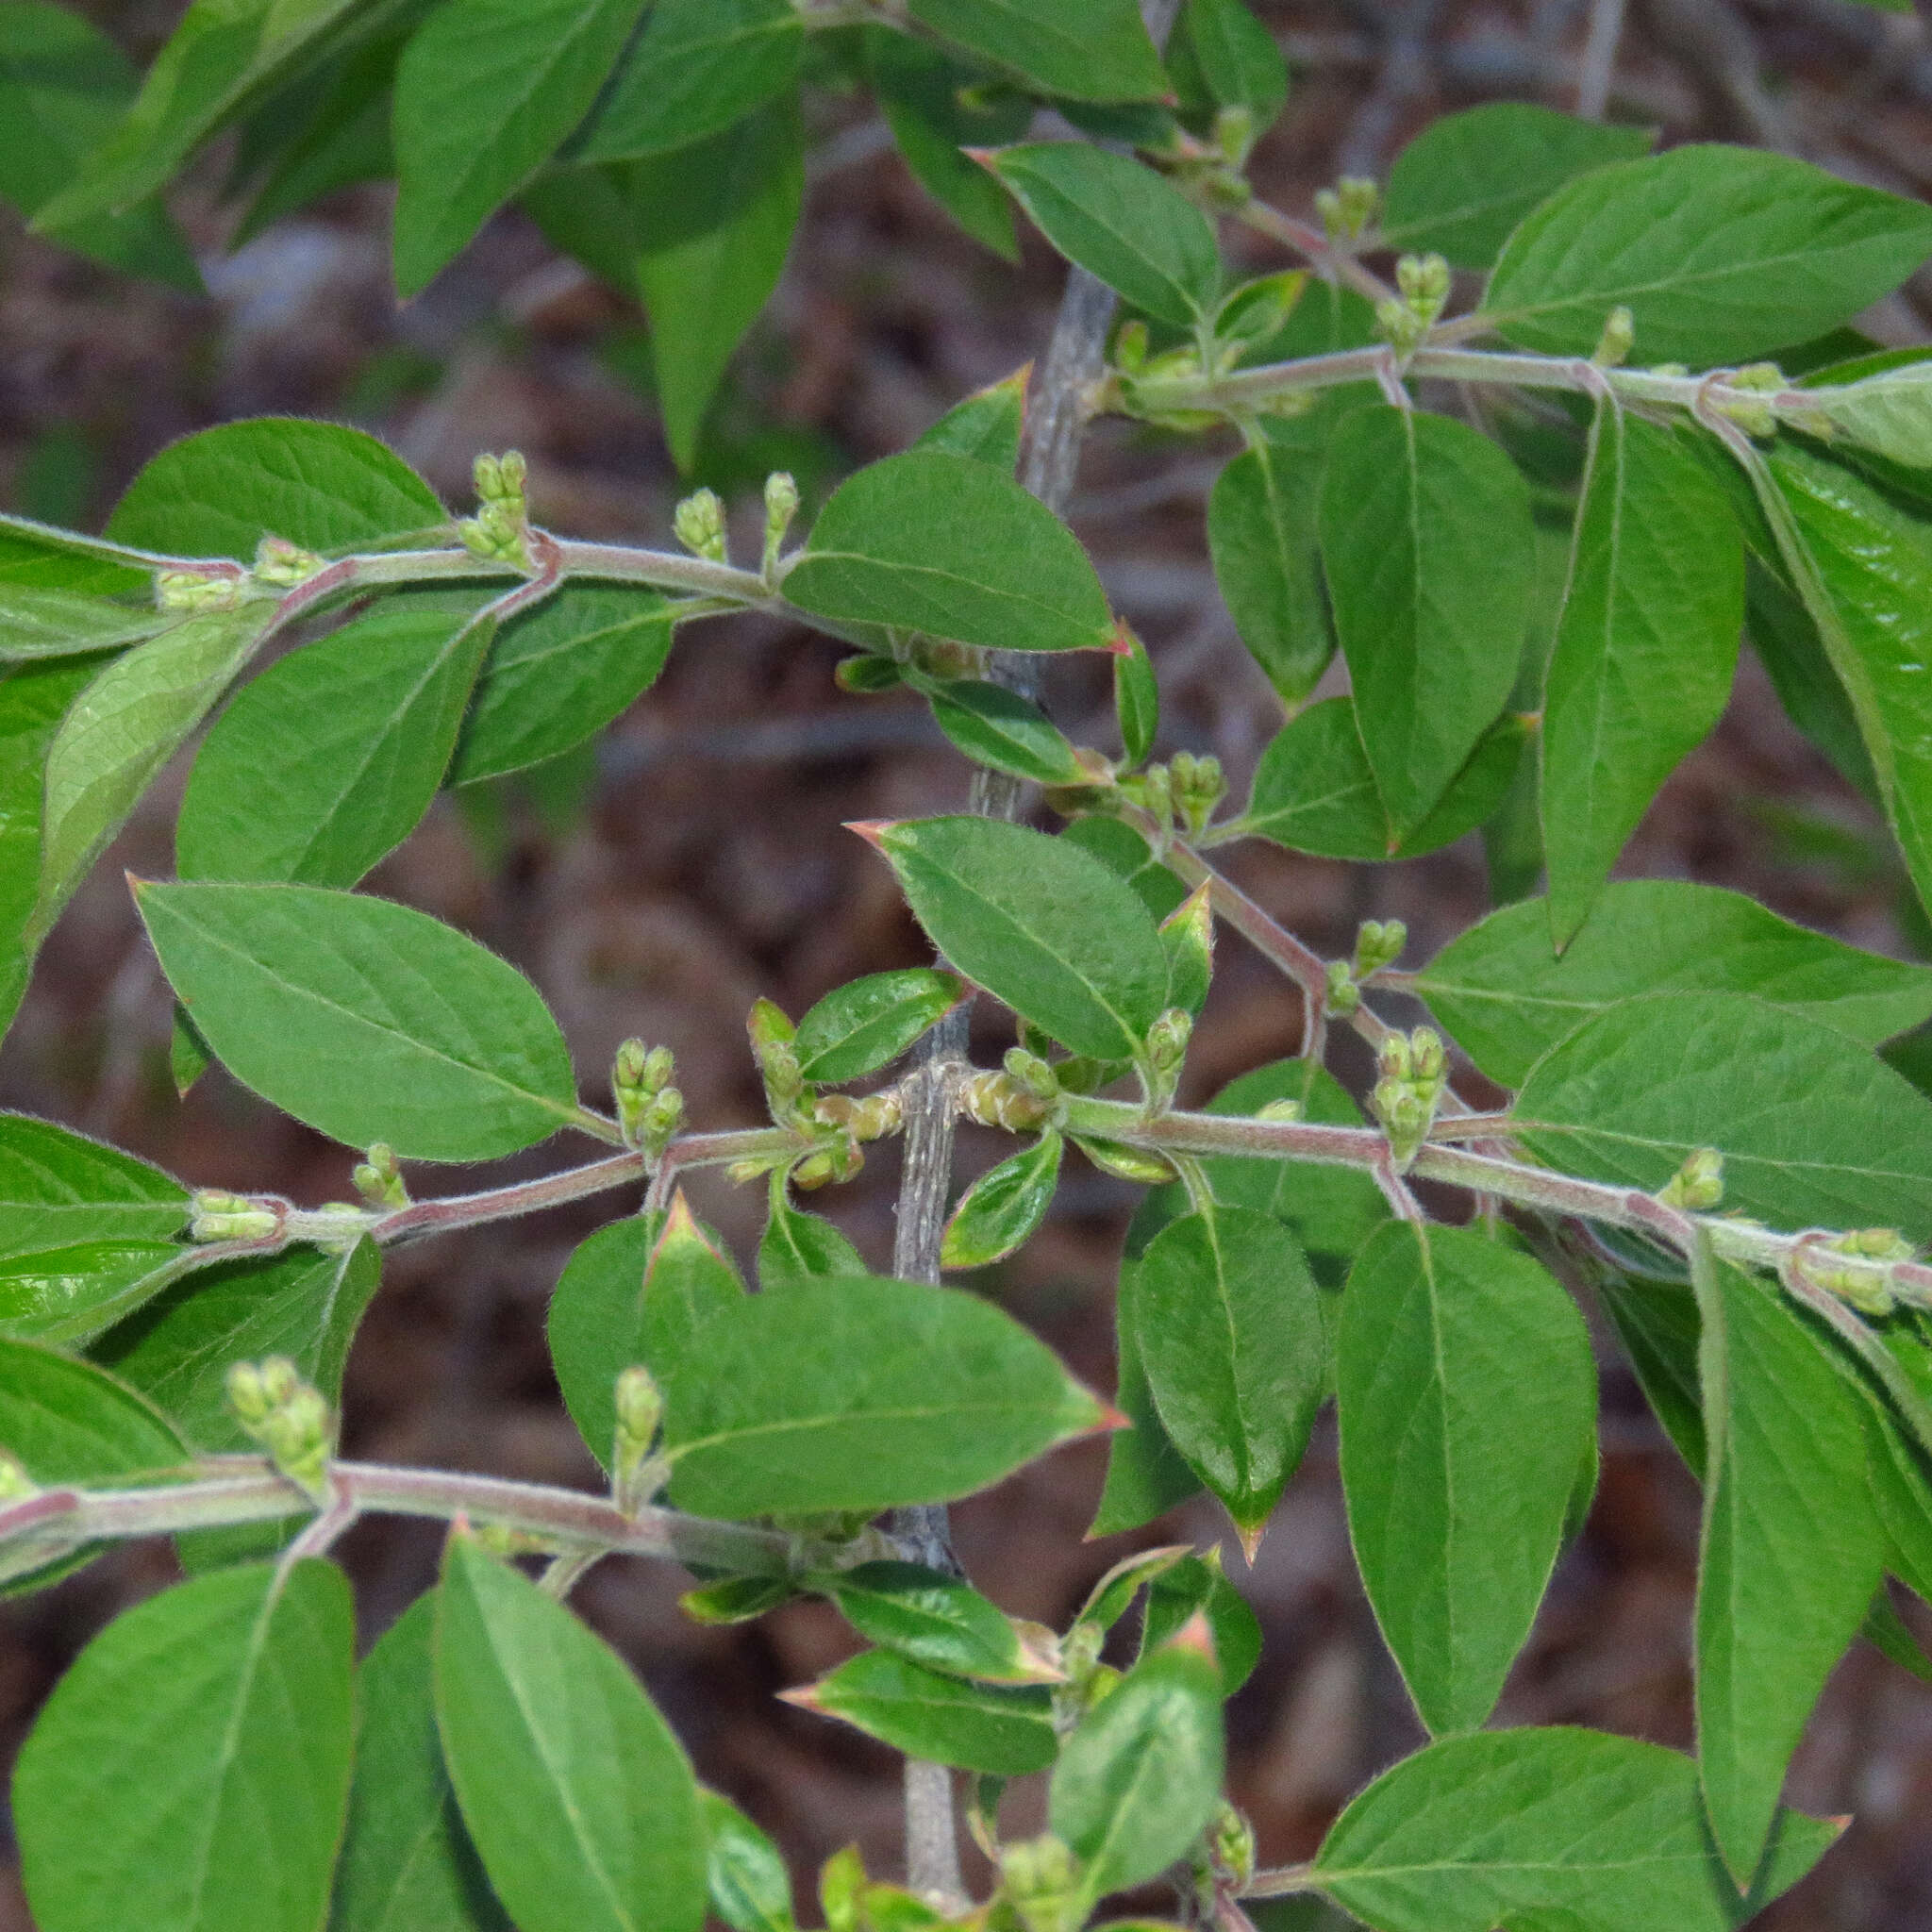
{"type": "Point", "coordinates": [1002, 1209]}
{"type": "Point", "coordinates": [997, 1730]}
{"type": "Point", "coordinates": [866, 1024]}
{"type": "Point", "coordinates": [1088, 50]}
{"type": "Point", "coordinates": [935, 1620]}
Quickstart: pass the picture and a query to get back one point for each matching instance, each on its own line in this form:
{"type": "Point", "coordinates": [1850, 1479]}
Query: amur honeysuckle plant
{"type": "Point", "coordinates": [1531, 435]}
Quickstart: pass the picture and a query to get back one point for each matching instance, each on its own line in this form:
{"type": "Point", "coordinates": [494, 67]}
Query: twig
{"type": "Point", "coordinates": [1598, 66]}
{"type": "Point", "coordinates": [1334, 264]}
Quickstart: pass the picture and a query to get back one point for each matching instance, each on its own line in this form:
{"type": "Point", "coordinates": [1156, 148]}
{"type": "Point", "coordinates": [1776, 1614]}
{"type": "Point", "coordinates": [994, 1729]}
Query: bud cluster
{"type": "Point", "coordinates": [1404, 319]}
{"type": "Point", "coordinates": [1188, 788]}
{"type": "Point", "coordinates": [650, 1109]}
{"type": "Point", "coordinates": [1698, 1185]}
{"type": "Point", "coordinates": [1860, 1287]}
{"type": "Point", "coordinates": [281, 565]}
{"type": "Point", "coordinates": [1754, 417]}
{"type": "Point", "coordinates": [781, 506]}
{"type": "Point", "coordinates": [216, 1216]}
{"type": "Point", "coordinates": [500, 530]}
{"type": "Point", "coordinates": [1349, 207]}
{"type": "Point", "coordinates": [1039, 1883]}
{"type": "Point", "coordinates": [699, 525]}
{"type": "Point", "coordinates": [379, 1180]}
{"type": "Point", "coordinates": [1344, 996]}
{"type": "Point", "coordinates": [1378, 943]}
{"type": "Point", "coordinates": [640, 1411]}
{"type": "Point", "coordinates": [999, 1100]}
{"type": "Point", "coordinates": [1414, 1076]}
{"type": "Point", "coordinates": [192, 592]}
{"type": "Point", "coordinates": [288, 1417]}
{"type": "Point", "coordinates": [1167, 1049]}
{"type": "Point", "coordinates": [772, 1046]}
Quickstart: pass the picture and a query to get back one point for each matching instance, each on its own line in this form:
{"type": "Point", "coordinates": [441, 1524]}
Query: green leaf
{"type": "Point", "coordinates": [1889, 411]}
{"type": "Point", "coordinates": [1197, 1586]}
{"type": "Point", "coordinates": [1466, 181]}
{"type": "Point", "coordinates": [144, 1794]}
{"type": "Point", "coordinates": [66, 623]}
{"type": "Point", "coordinates": [1139, 1778]}
{"type": "Point", "coordinates": [1864, 569]}
{"type": "Point", "coordinates": [1792, 653]}
{"type": "Point", "coordinates": [582, 1806]}
{"type": "Point", "coordinates": [1505, 998]}
{"type": "Point", "coordinates": [919, 91]}
{"type": "Point", "coordinates": [408, 1865]}
{"type": "Point", "coordinates": [65, 1295]}
{"type": "Point", "coordinates": [58, 1188]}
{"type": "Point", "coordinates": [324, 764]}
{"type": "Point", "coordinates": [67, 1421]}
{"type": "Point", "coordinates": [1815, 1131]}
{"type": "Point", "coordinates": [699, 66]}
{"type": "Point", "coordinates": [1227, 1327]}
{"type": "Point", "coordinates": [1790, 1552]}
{"type": "Point", "coordinates": [558, 674]}
{"type": "Point", "coordinates": [1136, 699]}
{"type": "Point", "coordinates": [219, 57]}
{"type": "Point", "coordinates": [1234, 56]}
{"type": "Point", "coordinates": [1646, 649]}
{"type": "Point", "coordinates": [63, 84]}
{"type": "Point", "coordinates": [751, 1889]}
{"type": "Point", "coordinates": [1261, 537]}
{"type": "Point", "coordinates": [714, 223]}
{"type": "Point", "coordinates": [1426, 543]}
{"type": "Point", "coordinates": [1314, 791]}
{"type": "Point", "coordinates": [1657, 1323]}
{"type": "Point", "coordinates": [1456, 1465]}
{"type": "Point", "coordinates": [1720, 253]}
{"type": "Point", "coordinates": [326, 488]}
{"type": "Point", "coordinates": [852, 1393]}
{"type": "Point", "coordinates": [1551, 1826]}
{"type": "Point", "coordinates": [796, 1246]}
{"type": "Point", "coordinates": [486, 91]}
{"type": "Point", "coordinates": [1039, 924]}
{"type": "Point", "coordinates": [365, 1020]}
{"type": "Point", "coordinates": [985, 426]}
{"type": "Point", "coordinates": [995, 727]}
{"type": "Point", "coordinates": [39, 557]}
{"type": "Point", "coordinates": [949, 546]}
{"type": "Point", "coordinates": [1004, 1207]}
{"type": "Point", "coordinates": [304, 1304]}
{"type": "Point", "coordinates": [589, 213]}
{"type": "Point", "coordinates": [932, 1619]}
{"type": "Point", "coordinates": [867, 1024]}
{"type": "Point", "coordinates": [1088, 50]}
{"type": "Point", "coordinates": [1002, 1730]}
{"type": "Point", "coordinates": [1127, 855]}
{"type": "Point", "coordinates": [1147, 1475]}
{"type": "Point", "coordinates": [1120, 221]}
{"type": "Point", "coordinates": [120, 732]}
{"type": "Point", "coordinates": [33, 700]}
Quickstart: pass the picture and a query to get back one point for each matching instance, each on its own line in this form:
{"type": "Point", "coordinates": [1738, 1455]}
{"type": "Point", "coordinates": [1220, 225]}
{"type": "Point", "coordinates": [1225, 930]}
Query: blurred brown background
{"type": "Point", "coordinates": [695, 861]}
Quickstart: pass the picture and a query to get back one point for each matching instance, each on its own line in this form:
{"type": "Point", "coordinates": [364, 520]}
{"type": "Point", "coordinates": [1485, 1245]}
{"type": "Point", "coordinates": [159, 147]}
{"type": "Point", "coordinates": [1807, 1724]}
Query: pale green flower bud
{"type": "Point", "coordinates": [1698, 1185]}
{"type": "Point", "coordinates": [379, 1180]}
{"type": "Point", "coordinates": [281, 565]}
{"type": "Point", "coordinates": [1378, 943]}
{"type": "Point", "coordinates": [699, 524]}
{"type": "Point", "coordinates": [217, 1216]}
{"type": "Point", "coordinates": [1619, 336]}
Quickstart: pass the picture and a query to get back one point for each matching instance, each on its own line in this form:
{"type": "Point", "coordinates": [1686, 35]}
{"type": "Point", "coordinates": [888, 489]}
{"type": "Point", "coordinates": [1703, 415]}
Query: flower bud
{"type": "Point", "coordinates": [281, 565]}
{"type": "Point", "coordinates": [1130, 345]}
{"type": "Point", "coordinates": [1040, 1879]}
{"type": "Point", "coordinates": [998, 1100]}
{"type": "Point", "coordinates": [1620, 335]}
{"type": "Point", "coordinates": [1197, 786]}
{"type": "Point", "coordinates": [781, 506]}
{"type": "Point", "coordinates": [193, 590]}
{"type": "Point", "coordinates": [1394, 1059]}
{"type": "Point", "coordinates": [379, 1180]}
{"type": "Point", "coordinates": [699, 524]}
{"type": "Point", "coordinates": [1233, 133]}
{"type": "Point", "coordinates": [663, 1114]}
{"type": "Point", "coordinates": [640, 1404]}
{"type": "Point", "coordinates": [1344, 996]}
{"type": "Point", "coordinates": [1378, 943]}
{"type": "Point", "coordinates": [1697, 1186]}
{"type": "Point", "coordinates": [1231, 1843]}
{"type": "Point", "coordinates": [289, 1418]}
{"type": "Point", "coordinates": [216, 1216]}
{"type": "Point", "coordinates": [1167, 1039]}
{"type": "Point", "coordinates": [1427, 1055]}
{"type": "Point", "coordinates": [1033, 1073]}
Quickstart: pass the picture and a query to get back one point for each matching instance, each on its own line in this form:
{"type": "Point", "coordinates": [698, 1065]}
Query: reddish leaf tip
{"type": "Point", "coordinates": [1110, 1420]}
{"type": "Point", "coordinates": [986, 157]}
{"type": "Point", "coordinates": [1250, 1540]}
{"type": "Point", "coordinates": [1197, 1634]}
{"type": "Point", "coordinates": [872, 830]}
{"type": "Point", "coordinates": [806, 1697]}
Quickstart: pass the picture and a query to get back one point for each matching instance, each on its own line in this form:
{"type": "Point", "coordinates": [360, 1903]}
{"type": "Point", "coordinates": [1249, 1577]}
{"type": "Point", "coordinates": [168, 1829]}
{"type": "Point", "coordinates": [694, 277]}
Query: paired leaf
{"type": "Point", "coordinates": [408, 1864]}
{"type": "Point", "coordinates": [714, 225]}
{"type": "Point", "coordinates": [1043, 925]}
{"type": "Point", "coordinates": [1719, 253]}
{"type": "Point", "coordinates": [325, 486]}
{"type": "Point", "coordinates": [581, 1804]}
{"type": "Point", "coordinates": [1456, 1465]}
{"type": "Point", "coordinates": [1425, 540]}
{"type": "Point", "coordinates": [324, 764]}
{"type": "Point", "coordinates": [1505, 998]}
{"type": "Point", "coordinates": [934, 1619]}
{"type": "Point", "coordinates": [995, 727]}
{"type": "Point", "coordinates": [1122, 223]}
{"type": "Point", "coordinates": [1227, 1327]}
{"type": "Point", "coordinates": [1261, 537]}
{"type": "Point", "coordinates": [852, 1393]}
{"type": "Point", "coordinates": [366, 1020]}
{"type": "Point", "coordinates": [190, 1723]}
{"type": "Point", "coordinates": [1815, 1131]}
{"type": "Point", "coordinates": [1004, 1207]}
{"type": "Point", "coordinates": [867, 1024]}
{"type": "Point", "coordinates": [1645, 648]}
{"type": "Point", "coordinates": [1552, 1826]}
{"type": "Point", "coordinates": [998, 1729]}
{"type": "Point", "coordinates": [1466, 181]}
{"type": "Point", "coordinates": [948, 546]}
{"type": "Point", "coordinates": [1791, 1553]}
{"type": "Point", "coordinates": [1087, 50]}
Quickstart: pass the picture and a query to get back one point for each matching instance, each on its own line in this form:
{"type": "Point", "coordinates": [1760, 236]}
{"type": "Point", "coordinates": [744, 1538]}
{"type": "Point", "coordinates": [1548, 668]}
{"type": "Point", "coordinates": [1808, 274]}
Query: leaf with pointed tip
{"type": "Point", "coordinates": [1039, 924]}
{"type": "Point", "coordinates": [1814, 1129]}
{"type": "Point", "coordinates": [1147, 1475]}
{"type": "Point", "coordinates": [1261, 537]}
{"type": "Point", "coordinates": [866, 1024]}
{"type": "Point", "coordinates": [797, 1246]}
{"type": "Point", "coordinates": [698, 67]}
{"type": "Point", "coordinates": [1123, 223]}
{"type": "Point", "coordinates": [408, 1864]}
{"type": "Point", "coordinates": [1004, 1730]}
{"type": "Point", "coordinates": [1457, 1467]}
{"type": "Point", "coordinates": [58, 1187]}
{"type": "Point", "coordinates": [121, 730]}
{"type": "Point", "coordinates": [1467, 179]}
{"type": "Point", "coordinates": [324, 764]}
{"type": "Point", "coordinates": [36, 623]}
{"type": "Point", "coordinates": [1791, 1553]}
{"type": "Point", "coordinates": [1234, 57]}
{"type": "Point", "coordinates": [1197, 1586]}
{"type": "Point", "coordinates": [485, 92]}
{"type": "Point", "coordinates": [1505, 998]}
{"type": "Point", "coordinates": [1228, 1330]}
{"type": "Point", "coordinates": [321, 485]}
{"type": "Point", "coordinates": [1645, 648]}
{"type": "Point", "coordinates": [1088, 50]}
{"type": "Point", "coordinates": [1136, 699]}
{"type": "Point", "coordinates": [947, 545]}
{"type": "Point", "coordinates": [985, 426]}
{"type": "Point", "coordinates": [582, 1806]}
{"type": "Point", "coordinates": [1719, 252]}
{"type": "Point", "coordinates": [855, 1393]}
{"type": "Point", "coordinates": [143, 1796]}
{"type": "Point", "coordinates": [1139, 1776]}
{"type": "Point", "coordinates": [1546, 1827]}
{"type": "Point", "coordinates": [1002, 1209]}
{"type": "Point", "coordinates": [366, 1020]}
{"type": "Point", "coordinates": [998, 728]}
{"type": "Point", "coordinates": [745, 1871]}
{"type": "Point", "coordinates": [1428, 548]}
{"type": "Point", "coordinates": [934, 1619]}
